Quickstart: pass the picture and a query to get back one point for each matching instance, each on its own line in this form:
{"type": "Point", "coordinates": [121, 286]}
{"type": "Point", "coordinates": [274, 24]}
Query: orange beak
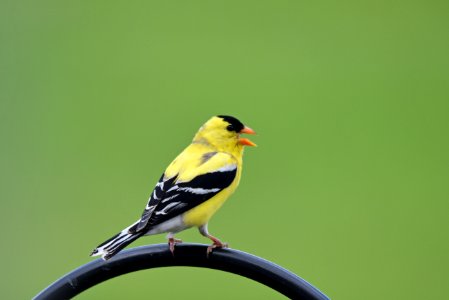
{"type": "Point", "coordinates": [247, 130]}
{"type": "Point", "coordinates": [245, 141]}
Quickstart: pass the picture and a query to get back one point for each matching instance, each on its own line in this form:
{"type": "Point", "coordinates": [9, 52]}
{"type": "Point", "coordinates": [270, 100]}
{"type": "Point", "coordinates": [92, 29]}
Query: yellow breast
{"type": "Point", "coordinates": [190, 164]}
{"type": "Point", "coordinates": [202, 213]}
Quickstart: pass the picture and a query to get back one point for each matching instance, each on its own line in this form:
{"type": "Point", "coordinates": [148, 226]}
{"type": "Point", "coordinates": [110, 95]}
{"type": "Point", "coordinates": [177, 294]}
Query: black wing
{"type": "Point", "coordinates": [171, 198]}
{"type": "Point", "coordinates": [156, 196]}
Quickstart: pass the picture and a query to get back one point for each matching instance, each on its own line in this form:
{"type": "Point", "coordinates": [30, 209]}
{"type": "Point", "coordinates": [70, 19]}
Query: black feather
{"type": "Point", "coordinates": [234, 124]}
{"type": "Point", "coordinates": [184, 196]}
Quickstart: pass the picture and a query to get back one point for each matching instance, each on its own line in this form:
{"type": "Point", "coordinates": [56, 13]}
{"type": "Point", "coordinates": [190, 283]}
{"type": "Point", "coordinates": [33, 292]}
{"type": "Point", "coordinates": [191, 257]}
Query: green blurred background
{"type": "Point", "coordinates": [348, 188]}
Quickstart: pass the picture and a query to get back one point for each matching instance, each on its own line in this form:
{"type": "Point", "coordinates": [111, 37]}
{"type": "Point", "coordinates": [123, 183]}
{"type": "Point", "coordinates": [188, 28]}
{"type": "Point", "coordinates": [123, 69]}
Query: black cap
{"type": "Point", "coordinates": [234, 124]}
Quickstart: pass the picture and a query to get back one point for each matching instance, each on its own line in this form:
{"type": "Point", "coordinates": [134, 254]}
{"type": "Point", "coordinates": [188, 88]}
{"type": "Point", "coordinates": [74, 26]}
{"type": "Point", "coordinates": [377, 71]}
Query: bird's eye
{"type": "Point", "coordinates": [230, 128]}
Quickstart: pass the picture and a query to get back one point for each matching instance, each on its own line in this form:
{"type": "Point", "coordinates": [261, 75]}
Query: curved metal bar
{"type": "Point", "coordinates": [192, 255]}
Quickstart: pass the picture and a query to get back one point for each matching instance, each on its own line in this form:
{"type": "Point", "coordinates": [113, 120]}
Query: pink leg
{"type": "Point", "coordinates": [216, 243]}
{"type": "Point", "coordinates": [172, 242]}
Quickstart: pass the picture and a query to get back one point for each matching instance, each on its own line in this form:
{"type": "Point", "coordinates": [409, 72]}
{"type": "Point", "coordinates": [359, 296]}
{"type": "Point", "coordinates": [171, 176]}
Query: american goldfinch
{"type": "Point", "coordinates": [193, 187]}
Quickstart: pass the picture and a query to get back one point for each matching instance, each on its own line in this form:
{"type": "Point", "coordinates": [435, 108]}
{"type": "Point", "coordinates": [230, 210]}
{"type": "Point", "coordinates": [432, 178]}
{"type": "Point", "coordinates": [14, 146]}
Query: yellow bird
{"type": "Point", "coordinates": [193, 187]}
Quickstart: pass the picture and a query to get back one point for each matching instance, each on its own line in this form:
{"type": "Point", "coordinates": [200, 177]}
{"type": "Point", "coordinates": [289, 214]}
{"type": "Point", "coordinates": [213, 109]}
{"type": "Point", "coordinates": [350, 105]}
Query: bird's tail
{"type": "Point", "coordinates": [116, 243]}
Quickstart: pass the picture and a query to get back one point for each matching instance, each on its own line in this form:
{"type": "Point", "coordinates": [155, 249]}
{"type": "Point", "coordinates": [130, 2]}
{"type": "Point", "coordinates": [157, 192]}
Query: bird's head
{"type": "Point", "coordinates": [223, 132]}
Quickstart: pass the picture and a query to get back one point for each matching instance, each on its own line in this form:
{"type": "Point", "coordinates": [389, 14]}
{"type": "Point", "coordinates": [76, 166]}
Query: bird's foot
{"type": "Point", "coordinates": [216, 244]}
{"type": "Point", "coordinates": [171, 244]}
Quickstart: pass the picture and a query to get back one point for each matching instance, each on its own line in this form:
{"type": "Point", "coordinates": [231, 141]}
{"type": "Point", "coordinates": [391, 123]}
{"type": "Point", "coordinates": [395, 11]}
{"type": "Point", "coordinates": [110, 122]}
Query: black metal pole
{"type": "Point", "coordinates": [193, 255]}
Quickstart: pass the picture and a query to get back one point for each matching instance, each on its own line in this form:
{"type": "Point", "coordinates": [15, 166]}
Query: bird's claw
{"type": "Point", "coordinates": [171, 244]}
{"type": "Point", "coordinates": [216, 244]}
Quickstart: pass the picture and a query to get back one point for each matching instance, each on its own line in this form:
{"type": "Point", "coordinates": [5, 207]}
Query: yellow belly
{"type": "Point", "coordinates": [201, 214]}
